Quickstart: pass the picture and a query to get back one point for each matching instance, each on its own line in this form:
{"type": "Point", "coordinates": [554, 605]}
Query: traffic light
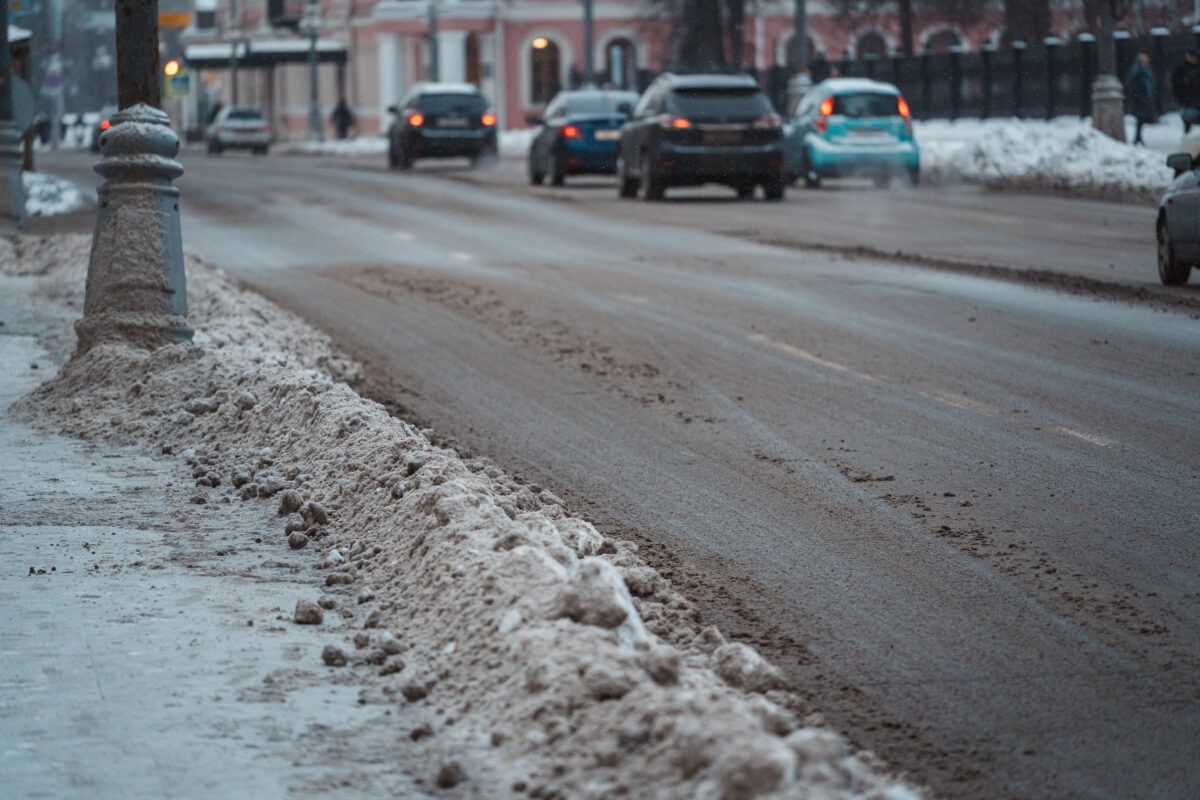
{"type": "Point", "coordinates": [171, 68]}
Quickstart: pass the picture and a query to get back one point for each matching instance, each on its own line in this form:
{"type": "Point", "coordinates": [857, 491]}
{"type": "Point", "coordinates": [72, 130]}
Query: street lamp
{"type": "Point", "coordinates": [310, 24]}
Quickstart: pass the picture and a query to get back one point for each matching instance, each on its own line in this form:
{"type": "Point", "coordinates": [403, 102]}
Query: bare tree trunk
{"type": "Point", "coordinates": [1027, 20]}
{"type": "Point", "coordinates": [736, 10]}
{"type": "Point", "coordinates": [702, 48]}
{"type": "Point", "coordinates": [906, 27]}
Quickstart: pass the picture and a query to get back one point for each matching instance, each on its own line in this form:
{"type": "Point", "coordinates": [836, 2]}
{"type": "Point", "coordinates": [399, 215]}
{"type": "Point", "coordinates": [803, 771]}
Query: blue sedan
{"type": "Point", "coordinates": [579, 134]}
{"type": "Point", "coordinates": [851, 127]}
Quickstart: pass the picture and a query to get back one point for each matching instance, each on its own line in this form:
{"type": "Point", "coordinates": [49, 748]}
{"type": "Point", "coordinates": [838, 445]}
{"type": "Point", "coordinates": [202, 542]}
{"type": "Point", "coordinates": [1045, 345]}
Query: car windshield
{"type": "Point", "coordinates": [724, 102]}
{"type": "Point", "coordinates": [246, 113]}
{"type": "Point", "coordinates": [598, 104]}
{"type": "Point", "coordinates": [451, 103]}
{"type": "Point", "coordinates": [866, 104]}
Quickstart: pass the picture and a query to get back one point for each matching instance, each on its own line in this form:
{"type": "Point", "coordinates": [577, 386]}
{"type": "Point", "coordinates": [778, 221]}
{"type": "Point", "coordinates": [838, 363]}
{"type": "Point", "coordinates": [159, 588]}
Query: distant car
{"type": "Point", "coordinates": [579, 134]}
{"type": "Point", "coordinates": [688, 130]}
{"type": "Point", "coordinates": [441, 120]}
{"type": "Point", "coordinates": [1178, 226]}
{"type": "Point", "coordinates": [852, 127]}
{"type": "Point", "coordinates": [243, 127]}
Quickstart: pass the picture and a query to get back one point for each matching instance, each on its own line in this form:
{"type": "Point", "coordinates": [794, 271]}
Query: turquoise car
{"type": "Point", "coordinates": [851, 127]}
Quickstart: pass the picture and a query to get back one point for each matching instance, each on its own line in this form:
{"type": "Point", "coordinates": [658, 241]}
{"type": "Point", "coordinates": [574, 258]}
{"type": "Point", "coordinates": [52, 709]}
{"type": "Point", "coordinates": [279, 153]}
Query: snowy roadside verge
{"type": "Point", "coordinates": [527, 654]}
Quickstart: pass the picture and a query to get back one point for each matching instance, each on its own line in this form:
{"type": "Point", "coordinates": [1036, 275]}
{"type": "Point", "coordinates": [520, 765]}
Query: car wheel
{"type": "Point", "coordinates": [914, 177]}
{"type": "Point", "coordinates": [774, 189]}
{"type": "Point", "coordinates": [1170, 270]}
{"type": "Point", "coordinates": [652, 185]}
{"type": "Point", "coordinates": [812, 178]}
{"type": "Point", "coordinates": [626, 186]}
{"type": "Point", "coordinates": [536, 176]}
{"type": "Point", "coordinates": [745, 192]}
{"type": "Point", "coordinates": [557, 178]}
{"type": "Point", "coordinates": [261, 151]}
{"type": "Point", "coordinates": [882, 180]}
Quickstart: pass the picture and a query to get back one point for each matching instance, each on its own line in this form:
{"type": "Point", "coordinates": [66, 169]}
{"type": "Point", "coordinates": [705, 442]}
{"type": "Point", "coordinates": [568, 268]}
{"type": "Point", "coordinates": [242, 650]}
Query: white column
{"type": "Point", "coordinates": [452, 56]}
{"type": "Point", "coordinates": [391, 71]}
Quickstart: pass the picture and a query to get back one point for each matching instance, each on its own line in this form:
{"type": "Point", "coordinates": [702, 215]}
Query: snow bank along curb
{"type": "Point", "coordinates": [527, 655]}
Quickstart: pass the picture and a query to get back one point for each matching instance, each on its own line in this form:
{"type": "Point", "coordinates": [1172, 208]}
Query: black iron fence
{"type": "Point", "coordinates": [1037, 82]}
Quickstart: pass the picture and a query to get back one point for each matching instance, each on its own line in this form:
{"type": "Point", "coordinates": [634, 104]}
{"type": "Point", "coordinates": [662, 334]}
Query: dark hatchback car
{"type": "Point", "coordinates": [1178, 226]}
{"type": "Point", "coordinates": [441, 120]}
{"type": "Point", "coordinates": [689, 130]}
{"type": "Point", "coordinates": [579, 134]}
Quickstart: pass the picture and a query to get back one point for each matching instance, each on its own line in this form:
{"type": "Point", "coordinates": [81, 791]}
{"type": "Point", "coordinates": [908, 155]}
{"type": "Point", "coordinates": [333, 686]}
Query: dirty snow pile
{"type": "Point", "coordinates": [527, 655]}
{"type": "Point", "coordinates": [46, 195]}
{"type": "Point", "coordinates": [1065, 155]}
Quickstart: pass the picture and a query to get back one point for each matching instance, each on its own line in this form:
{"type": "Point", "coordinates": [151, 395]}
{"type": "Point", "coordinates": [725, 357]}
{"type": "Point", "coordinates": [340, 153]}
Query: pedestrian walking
{"type": "Point", "coordinates": [343, 119]}
{"type": "Point", "coordinates": [1139, 94]}
{"type": "Point", "coordinates": [1185, 86]}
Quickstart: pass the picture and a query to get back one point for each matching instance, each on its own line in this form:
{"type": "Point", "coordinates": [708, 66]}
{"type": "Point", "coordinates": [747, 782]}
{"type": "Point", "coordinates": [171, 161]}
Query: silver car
{"type": "Point", "coordinates": [241, 127]}
{"type": "Point", "coordinates": [1178, 227]}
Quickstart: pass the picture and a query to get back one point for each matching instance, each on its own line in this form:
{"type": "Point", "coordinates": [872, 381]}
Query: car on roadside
{"type": "Point", "coordinates": [441, 120]}
{"type": "Point", "coordinates": [101, 123]}
{"type": "Point", "coordinates": [688, 130]}
{"type": "Point", "coordinates": [238, 127]}
{"type": "Point", "coordinates": [851, 128]}
{"type": "Point", "coordinates": [578, 134]}
{"type": "Point", "coordinates": [1177, 229]}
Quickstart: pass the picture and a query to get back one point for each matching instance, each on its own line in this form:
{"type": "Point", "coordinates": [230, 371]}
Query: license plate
{"type": "Point", "coordinates": [452, 122]}
{"type": "Point", "coordinates": [722, 137]}
{"type": "Point", "coordinates": [871, 133]}
{"type": "Point", "coordinates": [608, 134]}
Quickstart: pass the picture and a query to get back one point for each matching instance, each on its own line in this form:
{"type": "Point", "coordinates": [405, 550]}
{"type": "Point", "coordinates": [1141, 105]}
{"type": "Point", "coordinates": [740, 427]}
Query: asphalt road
{"type": "Point", "coordinates": [952, 491]}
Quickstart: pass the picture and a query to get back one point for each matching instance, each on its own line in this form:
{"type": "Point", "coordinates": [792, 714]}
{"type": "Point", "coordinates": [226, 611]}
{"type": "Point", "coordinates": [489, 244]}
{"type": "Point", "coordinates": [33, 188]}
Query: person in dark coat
{"type": "Point", "coordinates": [1139, 94]}
{"type": "Point", "coordinates": [1185, 86]}
{"type": "Point", "coordinates": [343, 119]}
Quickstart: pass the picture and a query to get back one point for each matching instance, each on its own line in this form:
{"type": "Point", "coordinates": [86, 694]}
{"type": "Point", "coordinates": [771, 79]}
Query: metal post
{"type": "Point", "coordinates": [312, 26]}
{"type": "Point", "coordinates": [1018, 56]}
{"type": "Point", "coordinates": [1052, 45]}
{"type": "Point", "coordinates": [1159, 66]}
{"type": "Point", "coordinates": [434, 54]}
{"type": "Point", "coordinates": [800, 38]}
{"type": "Point", "coordinates": [956, 81]}
{"type": "Point", "coordinates": [234, 26]}
{"type": "Point", "coordinates": [136, 291]}
{"type": "Point", "coordinates": [1087, 72]}
{"type": "Point", "coordinates": [57, 68]}
{"type": "Point", "coordinates": [12, 202]}
{"type": "Point", "coordinates": [988, 75]}
{"type": "Point", "coordinates": [589, 59]}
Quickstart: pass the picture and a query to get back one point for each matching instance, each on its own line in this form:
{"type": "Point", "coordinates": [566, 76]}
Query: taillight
{"type": "Point", "coordinates": [674, 123]}
{"type": "Point", "coordinates": [906, 113]}
{"type": "Point", "coordinates": [488, 119]}
{"type": "Point", "coordinates": [822, 122]}
{"type": "Point", "coordinates": [768, 121]}
{"type": "Point", "coordinates": [571, 132]}
{"type": "Point", "coordinates": [105, 124]}
{"type": "Point", "coordinates": [416, 119]}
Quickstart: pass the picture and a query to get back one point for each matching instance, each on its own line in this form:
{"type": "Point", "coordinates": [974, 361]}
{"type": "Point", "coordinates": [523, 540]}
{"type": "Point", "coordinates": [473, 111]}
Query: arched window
{"type": "Point", "coordinates": [870, 43]}
{"type": "Point", "coordinates": [473, 71]}
{"type": "Point", "coordinates": [941, 42]}
{"type": "Point", "coordinates": [545, 70]}
{"type": "Point", "coordinates": [620, 64]}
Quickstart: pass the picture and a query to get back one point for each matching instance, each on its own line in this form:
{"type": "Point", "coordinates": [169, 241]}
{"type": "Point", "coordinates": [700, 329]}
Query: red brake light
{"type": "Point", "coordinates": [570, 132]}
{"type": "Point", "coordinates": [416, 119]}
{"type": "Point", "coordinates": [822, 121]}
{"type": "Point", "coordinates": [827, 107]}
{"type": "Point", "coordinates": [677, 123]}
{"type": "Point", "coordinates": [902, 107]}
{"type": "Point", "coordinates": [105, 124]}
{"type": "Point", "coordinates": [680, 123]}
{"type": "Point", "coordinates": [488, 119]}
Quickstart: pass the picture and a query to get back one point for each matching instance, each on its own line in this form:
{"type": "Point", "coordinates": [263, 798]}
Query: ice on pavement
{"type": "Point", "coordinates": [544, 658]}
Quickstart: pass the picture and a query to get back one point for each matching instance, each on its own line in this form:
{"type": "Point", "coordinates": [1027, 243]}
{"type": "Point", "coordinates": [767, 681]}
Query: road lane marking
{"type": "Point", "coordinates": [461, 256]}
{"type": "Point", "coordinates": [1099, 441]}
{"type": "Point", "coordinates": [812, 358]}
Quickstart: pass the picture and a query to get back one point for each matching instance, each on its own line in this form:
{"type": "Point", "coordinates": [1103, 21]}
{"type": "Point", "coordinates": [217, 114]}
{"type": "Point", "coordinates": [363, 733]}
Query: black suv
{"type": "Point", "coordinates": [441, 120]}
{"type": "Point", "coordinates": [692, 129]}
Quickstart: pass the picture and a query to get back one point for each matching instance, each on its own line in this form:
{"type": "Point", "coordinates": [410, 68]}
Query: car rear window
{"type": "Point", "coordinates": [245, 113]}
{"type": "Point", "coordinates": [451, 103]}
{"type": "Point", "coordinates": [866, 104]}
{"type": "Point", "coordinates": [598, 104]}
{"type": "Point", "coordinates": [724, 102]}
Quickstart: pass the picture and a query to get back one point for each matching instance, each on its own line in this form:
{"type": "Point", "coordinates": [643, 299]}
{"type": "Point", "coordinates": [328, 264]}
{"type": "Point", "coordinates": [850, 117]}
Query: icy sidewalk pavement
{"type": "Point", "coordinates": [145, 651]}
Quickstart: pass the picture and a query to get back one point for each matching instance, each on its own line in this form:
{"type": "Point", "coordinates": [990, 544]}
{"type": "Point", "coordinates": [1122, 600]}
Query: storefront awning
{"type": "Point", "coordinates": [261, 53]}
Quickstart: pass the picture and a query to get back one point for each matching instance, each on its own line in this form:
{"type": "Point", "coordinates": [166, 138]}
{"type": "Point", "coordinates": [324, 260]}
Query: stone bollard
{"type": "Point", "coordinates": [1108, 107]}
{"type": "Point", "coordinates": [12, 196]}
{"type": "Point", "coordinates": [136, 290]}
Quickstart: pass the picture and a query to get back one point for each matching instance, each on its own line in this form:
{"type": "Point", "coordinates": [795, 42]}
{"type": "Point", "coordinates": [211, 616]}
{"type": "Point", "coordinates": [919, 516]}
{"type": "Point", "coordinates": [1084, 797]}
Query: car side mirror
{"type": "Point", "coordinates": [534, 119]}
{"type": "Point", "coordinates": [393, 109]}
{"type": "Point", "coordinates": [1180, 162]}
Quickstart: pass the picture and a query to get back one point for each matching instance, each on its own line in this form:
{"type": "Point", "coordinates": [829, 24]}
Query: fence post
{"type": "Point", "coordinates": [1196, 36]}
{"type": "Point", "coordinates": [986, 74]}
{"type": "Point", "coordinates": [1158, 62]}
{"type": "Point", "coordinates": [871, 61]}
{"type": "Point", "coordinates": [1018, 56]}
{"type": "Point", "coordinates": [1087, 72]}
{"type": "Point", "coordinates": [956, 72]}
{"type": "Point", "coordinates": [897, 64]}
{"type": "Point", "coordinates": [1124, 43]}
{"type": "Point", "coordinates": [926, 84]}
{"type": "Point", "coordinates": [1052, 44]}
